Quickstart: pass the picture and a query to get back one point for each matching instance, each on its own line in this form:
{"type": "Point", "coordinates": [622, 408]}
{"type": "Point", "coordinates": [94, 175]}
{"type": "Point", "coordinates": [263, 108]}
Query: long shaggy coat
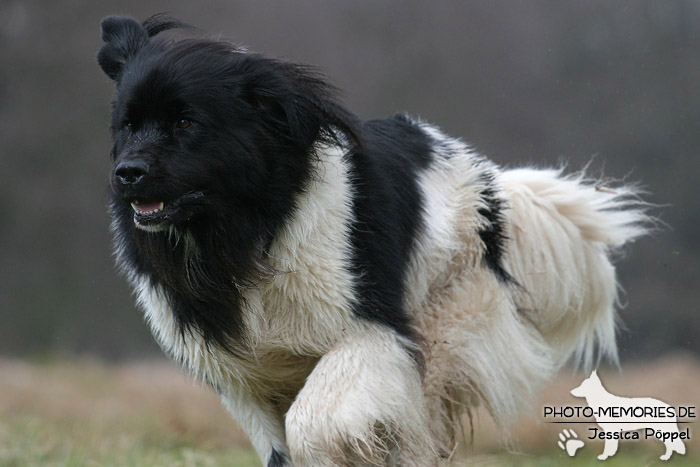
{"type": "Point", "coordinates": [349, 288]}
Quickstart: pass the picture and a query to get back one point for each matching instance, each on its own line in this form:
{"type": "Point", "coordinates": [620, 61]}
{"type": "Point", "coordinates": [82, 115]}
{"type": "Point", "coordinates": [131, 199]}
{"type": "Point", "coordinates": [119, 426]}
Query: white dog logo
{"type": "Point", "coordinates": [616, 415]}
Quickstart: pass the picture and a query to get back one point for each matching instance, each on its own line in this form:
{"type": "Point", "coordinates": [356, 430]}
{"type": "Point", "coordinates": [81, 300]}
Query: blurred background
{"type": "Point", "coordinates": [531, 82]}
{"type": "Point", "coordinates": [537, 82]}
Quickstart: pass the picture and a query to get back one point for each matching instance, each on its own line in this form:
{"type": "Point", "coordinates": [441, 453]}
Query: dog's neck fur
{"type": "Point", "coordinates": [220, 299]}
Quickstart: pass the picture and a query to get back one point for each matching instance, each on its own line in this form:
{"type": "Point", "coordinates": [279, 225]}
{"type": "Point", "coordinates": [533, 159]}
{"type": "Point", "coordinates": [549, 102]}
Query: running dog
{"type": "Point", "coordinates": [349, 288]}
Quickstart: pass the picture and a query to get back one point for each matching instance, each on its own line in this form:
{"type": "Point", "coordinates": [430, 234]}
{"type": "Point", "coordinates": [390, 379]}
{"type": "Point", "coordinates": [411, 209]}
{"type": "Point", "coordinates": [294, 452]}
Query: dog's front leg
{"type": "Point", "coordinates": [263, 425]}
{"type": "Point", "coordinates": [362, 403]}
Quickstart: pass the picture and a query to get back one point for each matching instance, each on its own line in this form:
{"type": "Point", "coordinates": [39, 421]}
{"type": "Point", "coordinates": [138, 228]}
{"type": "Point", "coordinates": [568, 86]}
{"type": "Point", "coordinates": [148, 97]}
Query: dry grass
{"type": "Point", "coordinates": [88, 413]}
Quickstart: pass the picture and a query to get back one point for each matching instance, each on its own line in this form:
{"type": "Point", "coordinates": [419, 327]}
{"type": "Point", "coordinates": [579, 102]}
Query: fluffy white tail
{"type": "Point", "coordinates": [564, 230]}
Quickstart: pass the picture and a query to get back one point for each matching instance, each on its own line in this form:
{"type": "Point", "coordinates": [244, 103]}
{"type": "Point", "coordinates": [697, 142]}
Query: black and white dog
{"type": "Point", "coordinates": [349, 288]}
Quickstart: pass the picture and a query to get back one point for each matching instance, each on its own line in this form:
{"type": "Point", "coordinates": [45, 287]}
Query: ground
{"type": "Point", "coordinates": [82, 412]}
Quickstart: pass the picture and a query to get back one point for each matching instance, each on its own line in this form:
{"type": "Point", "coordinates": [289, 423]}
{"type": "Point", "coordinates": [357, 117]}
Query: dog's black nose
{"type": "Point", "coordinates": [131, 172]}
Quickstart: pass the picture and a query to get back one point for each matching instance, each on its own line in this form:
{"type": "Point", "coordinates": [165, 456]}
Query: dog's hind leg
{"type": "Point", "coordinates": [362, 404]}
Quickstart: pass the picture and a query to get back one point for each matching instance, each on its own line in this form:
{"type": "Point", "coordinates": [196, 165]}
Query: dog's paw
{"type": "Point", "coordinates": [569, 442]}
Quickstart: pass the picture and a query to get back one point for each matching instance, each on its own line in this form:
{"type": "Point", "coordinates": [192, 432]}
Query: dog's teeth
{"type": "Point", "coordinates": [146, 212]}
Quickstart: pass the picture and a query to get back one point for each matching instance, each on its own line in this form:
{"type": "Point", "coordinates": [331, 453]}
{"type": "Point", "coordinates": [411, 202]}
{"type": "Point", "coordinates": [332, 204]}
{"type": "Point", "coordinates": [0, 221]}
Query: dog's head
{"type": "Point", "coordinates": [203, 129]}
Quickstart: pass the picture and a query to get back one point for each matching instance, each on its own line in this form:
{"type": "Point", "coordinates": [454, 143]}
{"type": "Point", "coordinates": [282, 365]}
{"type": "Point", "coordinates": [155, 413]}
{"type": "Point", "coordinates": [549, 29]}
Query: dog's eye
{"type": "Point", "coordinates": [184, 123]}
{"type": "Point", "coordinates": [128, 125]}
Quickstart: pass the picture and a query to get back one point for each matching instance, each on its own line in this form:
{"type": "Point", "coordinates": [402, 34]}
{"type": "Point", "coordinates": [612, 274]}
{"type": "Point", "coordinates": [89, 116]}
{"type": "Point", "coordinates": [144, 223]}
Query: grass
{"type": "Point", "coordinates": [90, 414]}
{"type": "Point", "coordinates": [29, 442]}
{"type": "Point", "coordinates": [87, 413]}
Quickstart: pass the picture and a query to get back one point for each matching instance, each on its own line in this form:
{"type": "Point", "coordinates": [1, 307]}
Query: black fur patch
{"type": "Point", "coordinates": [277, 459]}
{"type": "Point", "coordinates": [229, 180]}
{"type": "Point", "coordinates": [493, 234]}
{"type": "Point", "coordinates": [387, 208]}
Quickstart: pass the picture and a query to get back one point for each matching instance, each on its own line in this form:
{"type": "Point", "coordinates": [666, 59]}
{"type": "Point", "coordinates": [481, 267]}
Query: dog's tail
{"type": "Point", "coordinates": [564, 231]}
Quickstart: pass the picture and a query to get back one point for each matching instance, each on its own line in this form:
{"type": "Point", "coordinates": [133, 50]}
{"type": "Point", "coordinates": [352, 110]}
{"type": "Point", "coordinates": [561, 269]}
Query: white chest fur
{"type": "Point", "coordinates": [304, 308]}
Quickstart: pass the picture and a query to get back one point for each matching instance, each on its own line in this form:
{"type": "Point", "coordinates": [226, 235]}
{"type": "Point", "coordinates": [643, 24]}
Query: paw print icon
{"type": "Point", "coordinates": [569, 442]}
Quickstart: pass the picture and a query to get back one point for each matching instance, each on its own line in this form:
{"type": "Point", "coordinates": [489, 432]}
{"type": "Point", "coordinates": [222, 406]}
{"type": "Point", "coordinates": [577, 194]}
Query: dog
{"type": "Point", "coordinates": [614, 425]}
{"type": "Point", "coordinates": [348, 288]}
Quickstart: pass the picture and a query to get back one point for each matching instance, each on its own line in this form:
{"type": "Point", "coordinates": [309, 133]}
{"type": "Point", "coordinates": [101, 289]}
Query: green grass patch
{"type": "Point", "coordinates": [34, 442]}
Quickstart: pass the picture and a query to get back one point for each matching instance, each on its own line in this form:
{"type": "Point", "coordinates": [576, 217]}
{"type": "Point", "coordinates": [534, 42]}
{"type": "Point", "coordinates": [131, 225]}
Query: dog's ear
{"type": "Point", "coordinates": [160, 22]}
{"type": "Point", "coordinates": [302, 118]}
{"type": "Point", "coordinates": [289, 112]}
{"type": "Point", "coordinates": [297, 99]}
{"type": "Point", "coordinates": [271, 105]}
{"type": "Point", "coordinates": [294, 97]}
{"type": "Point", "coordinates": [123, 38]}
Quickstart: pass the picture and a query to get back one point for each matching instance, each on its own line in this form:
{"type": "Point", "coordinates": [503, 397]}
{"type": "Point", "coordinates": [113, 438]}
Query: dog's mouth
{"type": "Point", "coordinates": [156, 215]}
{"type": "Point", "coordinates": [151, 216]}
{"type": "Point", "coordinates": [147, 209]}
